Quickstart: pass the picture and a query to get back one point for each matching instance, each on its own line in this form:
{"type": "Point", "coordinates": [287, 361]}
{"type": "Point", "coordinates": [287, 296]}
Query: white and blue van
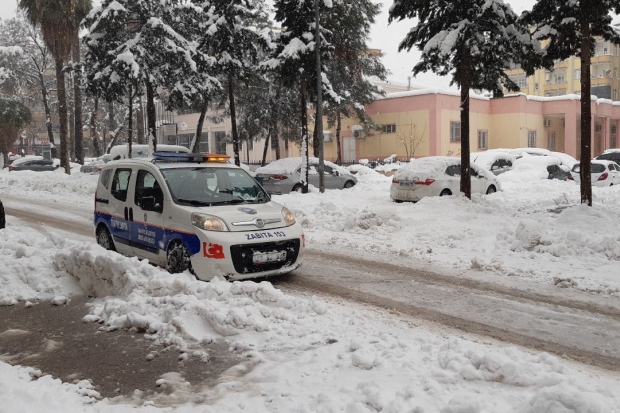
{"type": "Point", "coordinates": [197, 213]}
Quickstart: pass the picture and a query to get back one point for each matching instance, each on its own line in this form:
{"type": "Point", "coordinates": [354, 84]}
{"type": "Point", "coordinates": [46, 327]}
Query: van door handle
{"type": "Point", "coordinates": [126, 214]}
{"type": "Point", "coordinates": [131, 214]}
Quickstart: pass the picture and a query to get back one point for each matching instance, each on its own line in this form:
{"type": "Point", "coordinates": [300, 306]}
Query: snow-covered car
{"type": "Point", "coordinates": [284, 176]}
{"type": "Point", "coordinates": [92, 167]}
{"type": "Point", "coordinates": [496, 162]}
{"type": "Point", "coordinates": [139, 151]}
{"type": "Point", "coordinates": [33, 163]}
{"type": "Point", "coordinates": [438, 176]}
{"type": "Point", "coordinates": [529, 167]}
{"type": "Point", "coordinates": [197, 213]}
{"type": "Point", "coordinates": [602, 173]}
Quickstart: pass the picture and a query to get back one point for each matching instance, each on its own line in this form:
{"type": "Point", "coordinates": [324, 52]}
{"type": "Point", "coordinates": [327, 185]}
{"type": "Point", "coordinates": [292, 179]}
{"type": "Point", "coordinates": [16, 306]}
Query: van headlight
{"type": "Point", "coordinates": [289, 217]}
{"type": "Point", "coordinates": [209, 222]}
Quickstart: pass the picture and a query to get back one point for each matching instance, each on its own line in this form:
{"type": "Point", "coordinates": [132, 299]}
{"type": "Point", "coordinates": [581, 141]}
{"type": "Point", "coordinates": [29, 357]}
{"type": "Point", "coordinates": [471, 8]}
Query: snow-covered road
{"type": "Point", "coordinates": [576, 326]}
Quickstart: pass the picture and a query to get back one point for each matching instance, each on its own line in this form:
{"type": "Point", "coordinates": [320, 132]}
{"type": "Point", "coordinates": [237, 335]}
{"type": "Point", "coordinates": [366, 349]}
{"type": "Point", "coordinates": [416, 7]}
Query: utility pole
{"type": "Point", "coordinates": [318, 124]}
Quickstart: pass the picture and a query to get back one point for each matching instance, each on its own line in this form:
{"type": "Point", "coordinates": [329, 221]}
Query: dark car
{"type": "Point", "coordinates": [610, 155]}
{"type": "Point", "coordinates": [33, 164]}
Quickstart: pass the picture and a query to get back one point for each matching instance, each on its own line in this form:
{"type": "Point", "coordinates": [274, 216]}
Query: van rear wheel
{"type": "Point", "coordinates": [177, 258]}
{"type": "Point", "coordinates": [104, 238]}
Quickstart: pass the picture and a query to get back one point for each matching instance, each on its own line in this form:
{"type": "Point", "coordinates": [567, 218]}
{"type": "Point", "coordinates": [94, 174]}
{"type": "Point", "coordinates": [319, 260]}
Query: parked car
{"type": "Point", "coordinates": [438, 176]}
{"type": "Point", "coordinates": [93, 167]}
{"type": "Point", "coordinates": [283, 176]}
{"type": "Point", "coordinates": [496, 162]}
{"type": "Point", "coordinates": [602, 173]}
{"type": "Point", "coordinates": [541, 167]}
{"type": "Point", "coordinates": [33, 163]}
{"type": "Point", "coordinates": [610, 155]}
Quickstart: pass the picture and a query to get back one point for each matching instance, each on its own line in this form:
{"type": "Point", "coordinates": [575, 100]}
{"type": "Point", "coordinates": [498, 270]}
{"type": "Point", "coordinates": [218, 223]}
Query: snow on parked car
{"type": "Point", "coordinates": [496, 162]}
{"type": "Point", "coordinates": [284, 175]}
{"type": "Point", "coordinates": [438, 176]}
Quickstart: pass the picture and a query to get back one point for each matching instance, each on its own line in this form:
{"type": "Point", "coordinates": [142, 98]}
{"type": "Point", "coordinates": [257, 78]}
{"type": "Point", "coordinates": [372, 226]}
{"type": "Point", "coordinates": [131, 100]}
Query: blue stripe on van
{"type": "Point", "coordinates": [152, 236]}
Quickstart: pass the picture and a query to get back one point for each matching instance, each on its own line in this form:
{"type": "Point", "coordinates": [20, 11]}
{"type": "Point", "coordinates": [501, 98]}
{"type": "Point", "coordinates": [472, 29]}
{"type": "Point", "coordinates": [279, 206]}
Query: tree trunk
{"type": "Point", "coordinates": [233, 120]}
{"type": "Point", "coordinates": [140, 122]}
{"type": "Point", "coordinates": [315, 141]}
{"type": "Point", "coordinates": [465, 177]}
{"type": "Point", "coordinates": [586, 116]}
{"type": "Point", "coordinates": [93, 129]}
{"type": "Point", "coordinates": [304, 139]}
{"type": "Point", "coordinates": [62, 111]}
{"type": "Point", "coordinates": [70, 109]}
{"type": "Point", "coordinates": [130, 124]}
{"type": "Point", "coordinates": [265, 148]}
{"type": "Point", "coordinates": [338, 130]}
{"type": "Point", "coordinates": [201, 122]}
{"type": "Point", "coordinates": [77, 102]}
{"type": "Point", "coordinates": [111, 125]}
{"type": "Point", "coordinates": [48, 116]}
{"type": "Point", "coordinates": [150, 114]}
{"type": "Point", "coordinates": [274, 125]}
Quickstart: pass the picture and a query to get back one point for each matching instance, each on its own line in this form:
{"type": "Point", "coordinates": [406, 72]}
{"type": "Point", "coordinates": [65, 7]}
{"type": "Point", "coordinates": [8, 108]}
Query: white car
{"type": "Point", "coordinates": [438, 176]}
{"type": "Point", "coordinates": [197, 213]}
{"type": "Point", "coordinates": [602, 173]}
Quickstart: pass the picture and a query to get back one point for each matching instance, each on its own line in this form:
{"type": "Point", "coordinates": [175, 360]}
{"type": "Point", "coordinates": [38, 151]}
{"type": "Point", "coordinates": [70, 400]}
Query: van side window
{"type": "Point", "coordinates": [147, 186]}
{"type": "Point", "coordinates": [120, 184]}
{"type": "Point", "coordinates": [105, 178]}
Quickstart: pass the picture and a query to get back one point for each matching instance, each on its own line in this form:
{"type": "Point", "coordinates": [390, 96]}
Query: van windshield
{"type": "Point", "coordinates": [205, 186]}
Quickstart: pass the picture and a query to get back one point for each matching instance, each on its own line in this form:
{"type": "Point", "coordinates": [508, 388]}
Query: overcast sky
{"type": "Point", "coordinates": [385, 37]}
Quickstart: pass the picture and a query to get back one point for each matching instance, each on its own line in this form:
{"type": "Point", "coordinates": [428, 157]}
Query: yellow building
{"type": "Point", "coordinates": [565, 78]}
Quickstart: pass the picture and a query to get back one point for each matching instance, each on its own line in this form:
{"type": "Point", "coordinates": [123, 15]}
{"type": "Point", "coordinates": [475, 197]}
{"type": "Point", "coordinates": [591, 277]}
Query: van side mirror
{"type": "Point", "coordinates": [149, 203]}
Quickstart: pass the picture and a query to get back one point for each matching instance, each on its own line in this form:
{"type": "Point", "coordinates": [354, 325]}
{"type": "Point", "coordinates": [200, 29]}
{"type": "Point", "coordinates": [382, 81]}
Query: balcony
{"type": "Point", "coordinates": [601, 59]}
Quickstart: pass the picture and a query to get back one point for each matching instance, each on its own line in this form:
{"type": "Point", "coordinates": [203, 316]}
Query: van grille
{"type": "Point", "coordinates": [242, 255]}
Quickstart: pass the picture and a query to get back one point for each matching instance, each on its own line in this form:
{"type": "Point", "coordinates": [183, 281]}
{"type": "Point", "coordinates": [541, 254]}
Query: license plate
{"type": "Point", "coordinates": [267, 257]}
{"type": "Point", "coordinates": [406, 183]}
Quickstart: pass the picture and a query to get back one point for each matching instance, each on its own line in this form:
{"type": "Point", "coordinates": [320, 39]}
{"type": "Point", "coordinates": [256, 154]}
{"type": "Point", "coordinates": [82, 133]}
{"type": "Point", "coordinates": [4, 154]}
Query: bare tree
{"type": "Point", "coordinates": [410, 138]}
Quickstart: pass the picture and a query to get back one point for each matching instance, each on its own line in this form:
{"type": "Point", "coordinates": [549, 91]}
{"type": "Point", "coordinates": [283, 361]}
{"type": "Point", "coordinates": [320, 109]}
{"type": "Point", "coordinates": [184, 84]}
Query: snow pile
{"type": "Point", "coordinates": [21, 253]}
{"type": "Point", "coordinates": [172, 308]}
{"type": "Point", "coordinates": [71, 189]}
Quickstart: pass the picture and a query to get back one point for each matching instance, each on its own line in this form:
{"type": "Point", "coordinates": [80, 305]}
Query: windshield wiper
{"type": "Point", "coordinates": [195, 202]}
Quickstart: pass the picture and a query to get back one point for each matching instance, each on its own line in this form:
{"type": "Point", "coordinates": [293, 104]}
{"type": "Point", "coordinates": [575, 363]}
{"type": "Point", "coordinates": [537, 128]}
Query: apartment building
{"type": "Point", "coordinates": [565, 77]}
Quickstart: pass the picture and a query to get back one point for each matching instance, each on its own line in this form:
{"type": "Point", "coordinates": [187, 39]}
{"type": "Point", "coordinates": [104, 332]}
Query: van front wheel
{"type": "Point", "coordinates": [104, 238]}
{"type": "Point", "coordinates": [177, 258]}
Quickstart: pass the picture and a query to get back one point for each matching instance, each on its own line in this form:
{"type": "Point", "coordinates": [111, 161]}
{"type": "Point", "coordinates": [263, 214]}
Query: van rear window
{"type": "Point", "coordinates": [105, 178]}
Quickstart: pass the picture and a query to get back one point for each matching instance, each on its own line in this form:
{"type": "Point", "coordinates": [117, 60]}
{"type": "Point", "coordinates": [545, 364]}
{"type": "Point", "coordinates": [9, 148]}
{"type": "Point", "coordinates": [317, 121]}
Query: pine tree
{"type": "Point", "coordinates": [570, 29]}
{"type": "Point", "coordinates": [144, 44]}
{"type": "Point", "coordinates": [474, 41]}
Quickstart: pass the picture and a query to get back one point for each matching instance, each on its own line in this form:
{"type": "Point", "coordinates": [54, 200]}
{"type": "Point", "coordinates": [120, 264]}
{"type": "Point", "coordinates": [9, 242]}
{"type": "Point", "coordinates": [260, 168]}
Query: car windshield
{"type": "Point", "coordinates": [205, 186]}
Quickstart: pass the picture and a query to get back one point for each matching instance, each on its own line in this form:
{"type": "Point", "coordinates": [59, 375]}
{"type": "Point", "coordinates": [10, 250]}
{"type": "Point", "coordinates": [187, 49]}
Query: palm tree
{"type": "Point", "coordinates": [59, 21]}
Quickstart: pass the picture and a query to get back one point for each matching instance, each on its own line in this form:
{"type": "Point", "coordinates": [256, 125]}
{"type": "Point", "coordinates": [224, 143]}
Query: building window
{"type": "Point", "coordinates": [482, 139]}
{"type": "Point", "coordinates": [220, 142]}
{"type": "Point", "coordinates": [551, 141]}
{"type": "Point", "coordinates": [204, 146]}
{"type": "Point", "coordinates": [531, 139]}
{"type": "Point", "coordinates": [536, 86]}
{"type": "Point", "coordinates": [605, 51]}
{"type": "Point", "coordinates": [615, 94]}
{"type": "Point", "coordinates": [558, 78]}
{"type": "Point", "coordinates": [455, 131]}
{"type": "Point", "coordinates": [522, 83]}
{"type": "Point", "coordinates": [388, 128]}
{"type": "Point", "coordinates": [577, 73]}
